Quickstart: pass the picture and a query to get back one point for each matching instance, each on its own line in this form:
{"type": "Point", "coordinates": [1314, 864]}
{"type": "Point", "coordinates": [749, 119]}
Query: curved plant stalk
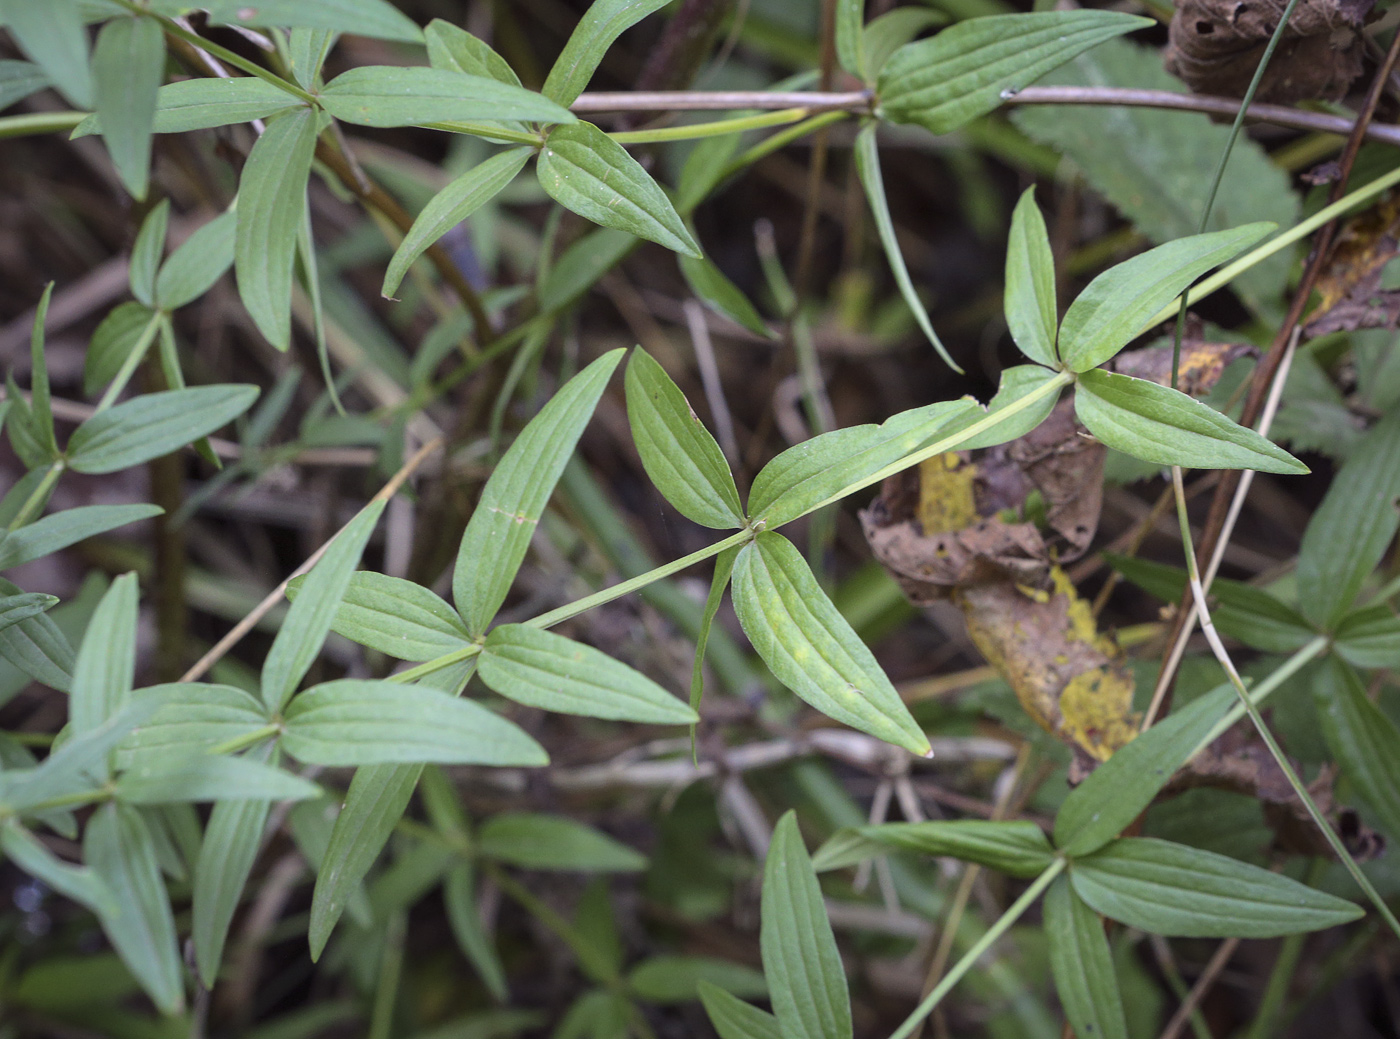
{"type": "Point", "coordinates": [1223, 656]}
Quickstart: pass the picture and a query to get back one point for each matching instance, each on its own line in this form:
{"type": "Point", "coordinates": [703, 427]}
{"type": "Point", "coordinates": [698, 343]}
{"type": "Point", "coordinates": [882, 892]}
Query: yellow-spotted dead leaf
{"type": "Point", "coordinates": [1202, 362]}
{"type": "Point", "coordinates": [989, 530]}
{"type": "Point", "coordinates": [1354, 290]}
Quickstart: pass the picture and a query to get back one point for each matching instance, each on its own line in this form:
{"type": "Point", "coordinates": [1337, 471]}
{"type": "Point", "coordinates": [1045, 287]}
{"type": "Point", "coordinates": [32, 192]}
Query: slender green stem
{"type": "Point", "coordinates": [248, 739]}
{"type": "Point", "coordinates": [1257, 693]}
{"type": "Point", "coordinates": [386, 991]}
{"type": "Point", "coordinates": [133, 358]}
{"type": "Point", "coordinates": [1218, 648]}
{"type": "Point", "coordinates": [984, 943]}
{"type": "Point", "coordinates": [38, 496]}
{"type": "Point", "coordinates": [39, 122]}
{"type": "Point", "coordinates": [490, 133]}
{"type": "Point", "coordinates": [73, 800]}
{"type": "Point", "coordinates": [1227, 274]}
{"type": "Point", "coordinates": [717, 128]}
{"type": "Point", "coordinates": [1388, 591]}
{"type": "Point", "coordinates": [780, 139]}
{"type": "Point", "coordinates": [222, 53]}
{"type": "Point", "coordinates": [437, 663]}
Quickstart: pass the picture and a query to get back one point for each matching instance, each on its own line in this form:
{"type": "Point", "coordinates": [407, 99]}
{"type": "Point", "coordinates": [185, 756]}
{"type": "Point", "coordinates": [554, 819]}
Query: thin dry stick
{"type": "Point", "coordinates": [709, 378]}
{"type": "Point", "coordinates": [275, 596]}
{"type": "Point", "coordinates": [1198, 991]}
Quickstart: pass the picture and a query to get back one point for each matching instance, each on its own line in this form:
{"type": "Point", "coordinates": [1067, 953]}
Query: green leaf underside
{"type": "Point", "coordinates": [533, 841]}
{"type": "Point", "coordinates": [951, 79]}
{"type": "Point", "coordinates": [201, 260]}
{"type": "Point", "coordinates": [867, 156]}
{"type": "Point", "coordinates": [678, 452]}
{"type": "Point", "coordinates": [127, 66]}
{"type": "Point", "coordinates": [146, 252]}
{"type": "Point", "coordinates": [1116, 792]}
{"type": "Point", "coordinates": [119, 848]}
{"type": "Point", "coordinates": [810, 472]}
{"type": "Point", "coordinates": [458, 897]}
{"type": "Point", "coordinates": [365, 722]}
{"type": "Point", "coordinates": [449, 207]}
{"type": "Point", "coordinates": [1082, 965]}
{"type": "Point", "coordinates": [201, 104]}
{"type": "Point", "coordinates": [17, 608]}
{"type": "Point", "coordinates": [499, 531]}
{"type": "Point", "coordinates": [1031, 310]}
{"type": "Point", "coordinates": [601, 24]}
{"type": "Point", "coordinates": [1015, 847]}
{"type": "Point", "coordinates": [61, 529]}
{"type": "Point", "coordinates": [1173, 890]}
{"type": "Point", "coordinates": [1363, 739]}
{"type": "Point", "coordinates": [451, 47]}
{"type": "Point", "coordinates": [19, 79]}
{"type": "Point", "coordinates": [52, 35]}
{"type": "Point", "coordinates": [79, 883]}
{"type": "Point", "coordinates": [676, 979]}
{"type": "Point", "coordinates": [1117, 305]}
{"type": "Point", "coordinates": [586, 171]}
{"type": "Point", "coordinates": [392, 95]}
{"type": "Point", "coordinates": [1016, 382]}
{"type": "Point", "coordinates": [309, 618]}
{"type": "Point", "coordinates": [396, 617]}
{"type": "Point", "coordinates": [152, 425]}
{"type": "Point", "coordinates": [1369, 637]}
{"type": "Point", "coordinates": [209, 777]}
{"type": "Point", "coordinates": [811, 648]}
{"type": "Point", "coordinates": [226, 857]}
{"type": "Point", "coordinates": [1165, 426]}
{"type": "Point", "coordinates": [850, 44]}
{"type": "Point", "coordinates": [271, 204]}
{"type": "Point", "coordinates": [721, 295]}
{"type": "Point", "coordinates": [733, 1018]}
{"type": "Point", "coordinates": [545, 670]}
{"type": "Point", "coordinates": [106, 665]}
{"type": "Point", "coordinates": [800, 960]}
{"type": "Point", "coordinates": [719, 581]}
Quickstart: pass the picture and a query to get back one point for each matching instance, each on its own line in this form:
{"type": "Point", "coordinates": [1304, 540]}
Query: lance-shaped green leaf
{"type": "Point", "coordinates": [17, 608]}
{"type": "Point", "coordinates": [209, 777]}
{"type": "Point", "coordinates": [583, 263]}
{"type": "Point", "coordinates": [226, 857]}
{"type": "Point", "coordinates": [152, 425]}
{"type": "Point", "coordinates": [809, 646]}
{"type": "Point", "coordinates": [721, 295]}
{"type": "Point", "coordinates": [968, 70]}
{"type": "Point", "coordinates": [800, 959]}
{"type": "Point", "coordinates": [1016, 382]}
{"type": "Point", "coordinates": [146, 252]}
{"type": "Point", "coordinates": [585, 170]}
{"type": "Point", "coordinates": [106, 665]}
{"type": "Point", "coordinates": [377, 19]}
{"type": "Point", "coordinates": [70, 769]}
{"type": "Point", "coordinates": [808, 473]}
{"type": "Point", "coordinates": [201, 260]}
{"type": "Point", "coordinates": [545, 670]}
{"type": "Point", "coordinates": [127, 67]}
{"type": "Point", "coordinates": [1031, 310]}
{"type": "Point", "coordinates": [1117, 305]}
{"type": "Point", "coordinates": [201, 104]}
{"type": "Point", "coordinates": [58, 531]}
{"type": "Point", "coordinates": [119, 848]}
{"type": "Point", "coordinates": [40, 407]}
{"type": "Point", "coordinates": [30, 854]}
{"type": "Point", "coordinates": [53, 37]}
{"type": "Point", "coordinates": [1352, 528]}
{"type": "Point", "coordinates": [514, 498]}
{"type": "Point", "coordinates": [362, 722]}
{"type": "Point", "coordinates": [306, 53]}
{"type": "Point", "coordinates": [19, 79]}
{"type": "Point", "coordinates": [733, 1018]}
{"type": "Point", "coordinates": [719, 581]}
{"type": "Point", "coordinates": [1120, 789]}
{"type": "Point", "coordinates": [850, 41]}
{"type": "Point", "coordinates": [188, 718]}
{"type": "Point", "coordinates": [1162, 425]}
{"type": "Point", "coordinates": [1082, 965]}
{"type": "Point", "coordinates": [867, 156]}
{"type": "Point", "coordinates": [271, 204]}
{"type": "Point", "coordinates": [459, 899]}
{"type": "Point", "coordinates": [1363, 739]}
{"type": "Point", "coordinates": [601, 24]}
{"type": "Point", "coordinates": [534, 841]}
{"type": "Point", "coordinates": [452, 47]}
{"type": "Point", "coordinates": [392, 95]}
{"type": "Point", "coordinates": [128, 329]}
{"type": "Point", "coordinates": [676, 979]}
{"type": "Point", "coordinates": [309, 619]}
{"type": "Point", "coordinates": [394, 616]}
{"type": "Point", "coordinates": [449, 207]}
{"type": "Point", "coordinates": [678, 452]}
{"type": "Point", "coordinates": [1170, 889]}
{"type": "Point", "coordinates": [1369, 637]}
{"type": "Point", "coordinates": [1015, 847]}
{"type": "Point", "coordinates": [36, 646]}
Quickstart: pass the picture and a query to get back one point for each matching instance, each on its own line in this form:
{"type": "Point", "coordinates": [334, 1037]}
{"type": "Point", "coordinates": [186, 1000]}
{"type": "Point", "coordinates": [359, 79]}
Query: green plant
{"type": "Point", "coordinates": [122, 773]}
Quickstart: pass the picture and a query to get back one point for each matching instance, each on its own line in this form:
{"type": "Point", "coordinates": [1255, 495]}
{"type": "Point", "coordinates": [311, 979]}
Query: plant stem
{"type": "Point", "coordinates": [780, 139]}
{"type": "Point", "coordinates": [248, 739]}
{"type": "Point", "coordinates": [38, 496]}
{"type": "Point", "coordinates": [983, 944]}
{"type": "Point", "coordinates": [39, 122]}
{"type": "Point", "coordinates": [716, 128]}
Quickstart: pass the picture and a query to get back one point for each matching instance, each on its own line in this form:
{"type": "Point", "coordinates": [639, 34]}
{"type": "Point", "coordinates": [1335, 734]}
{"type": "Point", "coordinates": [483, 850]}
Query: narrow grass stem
{"type": "Point", "coordinates": [1014, 913]}
{"type": "Point", "coordinates": [35, 502]}
{"type": "Point", "coordinates": [1223, 656]}
{"type": "Point", "coordinates": [717, 128]}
